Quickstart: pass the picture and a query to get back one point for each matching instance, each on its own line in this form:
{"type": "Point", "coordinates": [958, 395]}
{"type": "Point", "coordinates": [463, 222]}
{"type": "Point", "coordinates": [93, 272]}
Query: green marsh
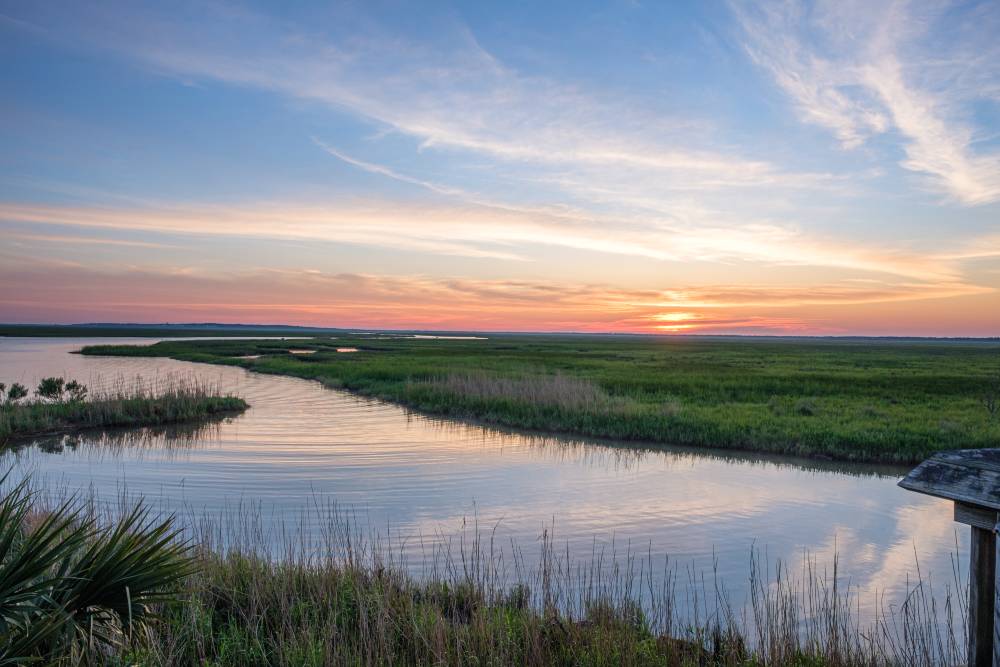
{"type": "Point", "coordinates": [124, 404]}
{"type": "Point", "coordinates": [865, 400]}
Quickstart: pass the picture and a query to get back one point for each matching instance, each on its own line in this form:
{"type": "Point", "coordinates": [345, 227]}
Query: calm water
{"type": "Point", "coordinates": [301, 445]}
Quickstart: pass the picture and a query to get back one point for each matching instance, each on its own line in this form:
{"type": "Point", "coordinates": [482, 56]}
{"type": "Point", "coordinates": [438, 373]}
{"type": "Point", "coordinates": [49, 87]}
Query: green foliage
{"type": "Point", "coordinates": [51, 388]}
{"type": "Point", "coordinates": [244, 608]}
{"type": "Point", "coordinates": [57, 389]}
{"type": "Point", "coordinates": [65, 406]}
{"type": "Point", "coordinates": [806, 407]}
{"type": "Point", "coordinates": [991, 397]}
{"type": "Point", "coordinates": [70, 587]}
{"type": "Point", "coordinates": [16, 392]}
{"type": "Point", "coordinates": [862, 400]}
{"type": "Point", "coordinates": [76, 392]}
{"type": "Point", "coordinates": [247, 611]}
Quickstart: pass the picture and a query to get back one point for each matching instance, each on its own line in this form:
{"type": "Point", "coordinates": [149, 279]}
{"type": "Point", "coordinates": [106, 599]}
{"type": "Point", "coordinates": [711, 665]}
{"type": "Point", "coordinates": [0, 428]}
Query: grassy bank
{"type": "Point", "coordinates": [243, 610]}
{"type": "Point", "coordinates": [852, 400]}
{"type": "Point", "coordinates": [134, 591]}
{"type": "Point", "coordinates": [124, 404]}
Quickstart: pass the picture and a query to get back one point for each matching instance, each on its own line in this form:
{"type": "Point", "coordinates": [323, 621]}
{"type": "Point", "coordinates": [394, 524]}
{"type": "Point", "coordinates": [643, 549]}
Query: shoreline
{"type": "Point", "coordinates": [616, 429]}
{"type": "Point", "coordinates": [179, 405]}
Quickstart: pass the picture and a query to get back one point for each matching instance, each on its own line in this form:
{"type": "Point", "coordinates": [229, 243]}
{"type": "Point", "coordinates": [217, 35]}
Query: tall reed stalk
{"type": "Point", "coordinates": [352, 597]}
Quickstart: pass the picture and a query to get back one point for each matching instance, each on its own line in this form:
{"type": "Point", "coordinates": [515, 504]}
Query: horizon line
{"type": "Point", "coordinates": [236, 325]}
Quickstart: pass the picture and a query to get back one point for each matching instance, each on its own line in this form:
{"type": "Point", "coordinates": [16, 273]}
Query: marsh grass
{"type": "Point", "coordinates": [479, 604]}
{"type": "Point", "coordinates": [877, 401]}
{"type": "Point", "coordinates": [353, 596]}
{"type": "Point", "coordinates": [121, 402]}
{"type": "Point", "coordinates": [560, 391]}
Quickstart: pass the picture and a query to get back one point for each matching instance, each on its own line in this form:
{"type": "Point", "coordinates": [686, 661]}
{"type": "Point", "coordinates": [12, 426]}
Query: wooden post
{"type": "Point", "coordinates": [971, 478]}
{"type": "Point", "coordinates": [982, 591]}
{"type": "Point", "coordinates": [996, 606]}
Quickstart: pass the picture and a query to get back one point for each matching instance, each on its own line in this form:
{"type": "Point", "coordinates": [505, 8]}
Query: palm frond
{"type": "Point", "coordinates": [68, 584]}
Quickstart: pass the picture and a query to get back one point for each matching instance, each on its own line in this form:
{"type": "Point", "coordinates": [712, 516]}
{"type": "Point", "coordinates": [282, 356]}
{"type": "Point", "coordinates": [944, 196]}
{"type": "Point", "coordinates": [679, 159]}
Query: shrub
{"type": "Point", "coordinates": [51, 388]}
{"type": "Point", "coordinates": [16, 392]}
{"type": "Point", "coordinates": [991, 397]}
{"type": "Point", "coordinates": [77, 392]}
{"type": "Point", "coordinates": [71, 587]}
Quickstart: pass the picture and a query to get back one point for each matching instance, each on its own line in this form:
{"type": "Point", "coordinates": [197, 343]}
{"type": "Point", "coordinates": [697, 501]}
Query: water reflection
{"type": "Point", "coordinates": [300, 447]}
{"type": "Point", "coordinates": [165, 439]}
{"type": "Point", "coordinates": [604, 452]}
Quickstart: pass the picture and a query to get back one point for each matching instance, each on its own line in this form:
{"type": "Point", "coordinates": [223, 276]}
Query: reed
{"type": "Point", "coordinates": [353, 596]}
{"type": "Point", "coordinates": [558, 390]}
{"type": "Point", "coordinates": [122, 402]}
{"type": "Point", "coordinates": [356, 599]}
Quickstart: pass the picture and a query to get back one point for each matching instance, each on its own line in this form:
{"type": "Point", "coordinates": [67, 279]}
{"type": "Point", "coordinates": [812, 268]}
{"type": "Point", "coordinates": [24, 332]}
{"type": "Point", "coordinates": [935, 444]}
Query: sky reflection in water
{"type": "Point", "coordinates": [301, 446]}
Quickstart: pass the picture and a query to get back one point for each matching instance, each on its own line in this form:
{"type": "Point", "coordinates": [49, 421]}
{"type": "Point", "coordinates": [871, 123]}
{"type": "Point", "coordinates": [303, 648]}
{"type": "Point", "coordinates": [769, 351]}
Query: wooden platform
{"type": "Point", "coordinates": [971, 479]}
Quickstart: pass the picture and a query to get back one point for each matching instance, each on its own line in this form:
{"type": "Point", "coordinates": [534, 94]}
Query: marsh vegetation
{"type": "Point", "coordinates": [880, 401]}
{"type": "Point", "coordinates": [339, 597]}
{"type": "Point", "coordinates": [59, 406]}
{"type": "Point", "coordinates": [87, 583]}
{"type": "Point", "coordinates": [74, 590]}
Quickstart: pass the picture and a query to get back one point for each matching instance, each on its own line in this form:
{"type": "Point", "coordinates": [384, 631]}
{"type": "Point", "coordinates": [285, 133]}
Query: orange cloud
{"type": "Point", "coordinates": [63, 292]}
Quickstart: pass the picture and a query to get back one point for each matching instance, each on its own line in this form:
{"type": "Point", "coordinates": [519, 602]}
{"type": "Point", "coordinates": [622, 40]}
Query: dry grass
{"type": "Point", "coordinates": [561, 391]}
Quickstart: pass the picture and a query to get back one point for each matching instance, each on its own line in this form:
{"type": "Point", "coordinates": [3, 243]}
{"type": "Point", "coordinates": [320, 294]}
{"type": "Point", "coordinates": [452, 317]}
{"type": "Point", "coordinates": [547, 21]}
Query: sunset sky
{"type": "Point", "coordinates": [702, 167]}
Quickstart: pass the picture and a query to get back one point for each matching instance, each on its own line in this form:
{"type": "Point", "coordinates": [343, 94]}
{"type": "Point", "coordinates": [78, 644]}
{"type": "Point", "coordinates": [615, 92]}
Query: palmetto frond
{"type": "Point", "coordinates": [66, 582]}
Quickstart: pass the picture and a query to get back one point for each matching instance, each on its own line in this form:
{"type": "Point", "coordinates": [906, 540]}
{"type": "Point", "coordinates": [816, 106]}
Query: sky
{"type": "Point", "coordinates": [828, 168]}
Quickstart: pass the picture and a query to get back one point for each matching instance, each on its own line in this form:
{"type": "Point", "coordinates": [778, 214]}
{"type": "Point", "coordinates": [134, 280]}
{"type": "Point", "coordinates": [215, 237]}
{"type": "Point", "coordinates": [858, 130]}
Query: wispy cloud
{"type": "Point", "coordinates": [780, 40]}
{"type": "Point", "coordinates": [505, 234]}
{"type": "Point", "coordinates": [937, 146]}
{"type": "Point", "coordinates": [381, 170]}
{"type": "Point", "coordinates": [455, 98]}
{"type": "Point", "coordinates": [865, 69]}
{"type": "Point", "coordinates": [83, 240]}
{"type": "Point", "coordinates": [486, 171]}
{"type": "Point", "coordinates": [843, 294]}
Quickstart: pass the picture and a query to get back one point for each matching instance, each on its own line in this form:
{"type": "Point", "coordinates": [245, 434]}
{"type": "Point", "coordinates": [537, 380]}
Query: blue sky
{"type": "Point", "coordinates": [677, 167]}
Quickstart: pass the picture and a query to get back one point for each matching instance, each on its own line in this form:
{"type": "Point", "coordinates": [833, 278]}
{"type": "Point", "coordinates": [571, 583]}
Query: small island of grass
{"type": "Point", "coordinates": [61, 406]}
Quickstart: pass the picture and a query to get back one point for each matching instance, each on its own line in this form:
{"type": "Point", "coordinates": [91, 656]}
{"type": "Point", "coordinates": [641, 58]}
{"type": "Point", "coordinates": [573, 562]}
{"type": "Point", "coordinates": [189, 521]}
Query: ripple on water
{"type": "Point", "coordinates": [300, 446]}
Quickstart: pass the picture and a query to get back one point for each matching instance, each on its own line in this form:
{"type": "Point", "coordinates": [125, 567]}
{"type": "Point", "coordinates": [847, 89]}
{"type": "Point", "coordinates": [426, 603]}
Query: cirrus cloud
{"type": "Point", "coordinates": [863, 69]}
